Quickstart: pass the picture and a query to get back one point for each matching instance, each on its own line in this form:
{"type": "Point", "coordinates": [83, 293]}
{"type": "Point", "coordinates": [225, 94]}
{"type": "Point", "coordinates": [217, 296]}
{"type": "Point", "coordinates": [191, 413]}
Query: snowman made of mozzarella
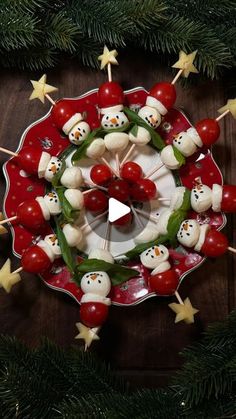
{"type": "Point", "coordinates": [192, 235]}
{"type": "Point", "coordinates": [156, 258]}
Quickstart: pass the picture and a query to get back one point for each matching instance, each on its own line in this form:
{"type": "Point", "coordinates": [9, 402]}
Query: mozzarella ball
{"type": "Point", "coordinates": [72, 177]}
{"type": "Point", "coordinates": [73, 234]}
{"type": "Point", "coordinates": [79, 132]}
{"type": "Point", "coordinates": [169, 159]}
{"type": "Point", "coordinates": [185, 144]}
{"type": "Point", "coordinates": [192, 132]}
{"type": "Point", "coordinates": [47, 249]}
{"type": "Point", "coordinates": [177, 198]}
{"type": "Point", "coordinates": [142, 137]}
{"type": "Point", "coordinates": [153, 256]}
{"type": "Point", "coordinates": [43, 163]}
{"type": "Point", "coordinates": [188, 233]}
{"type": "Point", "coordinates": [116, 141]}
{"type": "Point", "coordinates": [163, 221]}
{"type": "Point", "coordinates": [204, 229]}
{"type": "Point", "coordinates": [201, 198]}
{"type": "Point", "coordinates": [53, 167]}
{"type": "Point", "coordinates": [148, 234]}
{"type": "Point", "coordinates": [101, 254]}
{"type": "Point", "coordinates": [97, 282]}
{"type": "Point", "coordinates": [150, 115]}
{"type": "Point", "coordinates": [52, 201]}
{"type": "Point", "coordinates": [217, 193]}
{"type": "Point", "coordinates": [75, 198]}
{"type": "Point", "coordinates": [163, 267]}
{"type": "Point", "coordinates": [96, 149]}
{"type": "Point", "coordinates": [114, 119]}
{"type": "Point", "coordinates": [52, 241]}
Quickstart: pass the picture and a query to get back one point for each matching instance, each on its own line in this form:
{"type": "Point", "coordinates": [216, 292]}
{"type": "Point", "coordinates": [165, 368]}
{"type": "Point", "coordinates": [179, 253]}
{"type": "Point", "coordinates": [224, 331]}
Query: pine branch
{"type": "Point", "coordinates": [60, 32]}
{"type": "Point", "coordinates": [36, 58]}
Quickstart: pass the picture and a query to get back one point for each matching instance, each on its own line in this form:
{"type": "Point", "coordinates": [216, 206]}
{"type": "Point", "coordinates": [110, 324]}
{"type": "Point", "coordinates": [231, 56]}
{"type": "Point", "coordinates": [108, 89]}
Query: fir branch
{"type": "Point", "coordinates": [60, 32]}
{"type": "Point", "coordinates": [34, 58]}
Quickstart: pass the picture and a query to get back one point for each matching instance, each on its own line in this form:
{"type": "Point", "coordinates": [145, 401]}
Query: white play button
{"type": "Point", "coordinates": [116, 210]}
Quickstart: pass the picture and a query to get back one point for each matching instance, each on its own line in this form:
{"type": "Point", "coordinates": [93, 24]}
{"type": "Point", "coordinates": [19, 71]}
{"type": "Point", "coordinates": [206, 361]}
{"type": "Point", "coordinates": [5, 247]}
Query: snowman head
{"type": "Point", "coordinates": [52, 201]}
{"type": "Point", "coordinates": [79, 132]}
{"type": "Point", "coordinates": [184, 143]}
{"type": "Point", "coordinates": [97, 282]}
{"type": "Point", "coordinates": [52, 242]}
{"type": "Point", "coordinates": [150, 115]}
{"type": "Point", "coordinates": [201, 198]}
{"type": "Point", "coordinates": [153, 256]}
{"type": "Point", "coordinates": [113, 119]}
{"type": "Point", "coordinates": [188, 233]}
{"type": "Point", "coordinates": [53, 167]}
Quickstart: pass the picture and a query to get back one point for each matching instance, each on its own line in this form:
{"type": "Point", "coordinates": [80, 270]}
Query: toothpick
{"type": "Point", "coordinates": [11, 153]}
{"type": "Point", "coordinates": [117, 163]}
{"type": "Point", "coordinates": [164, 199]}
{"type": "Point", "coordinates": [106, 238]}
{"type": "Point", "coordinates": [223, 115]}
{"type": "Point", "coordinates": [7, 220]}
{"type": "Point", "coordinates": [17, 270]}
{"type": "Point", "coordinates": [147, 215]}
{"type": "Point", "coordinates": [231, 249]}
{"type": "Point", "coordinates": [50, 99]}
{"type": "Point", "coordinates": [83, 227]}
{"type": "Point", "coordinates": [138, 219]}
{"type": "Point", "coordinates": [177, 76]}
{"type": "Point", "coordinates": [94, 186]}
{"type": "Point", "coordinates": [109, 72]}
{"type": "Point", "coordinates": [178, 297]}
{"type": "Point", "coordinates": [127, 155]}
{"type": "Point", "coordinates": [109, 166]}
{"type": "Point", "coordinates": [154, 170]}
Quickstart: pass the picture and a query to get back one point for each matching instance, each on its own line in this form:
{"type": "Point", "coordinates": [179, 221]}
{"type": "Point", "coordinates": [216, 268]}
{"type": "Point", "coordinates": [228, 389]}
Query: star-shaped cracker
{"type": "Point", "coordinates": [230, 106]}
{"type": "Point", "coordinates": [184, 311]}
{"type": "Point", "coordinates": [8, 279]}
{"type": "Point", "coordinates": [3, 230]}
{"type": "Point", "coordinates": [41, 89]}
{"type": "Point", "coordinates": [87, 334]}
{"type": "Point", "coordinates": [185, 63]}
{"type": "Point", "coordinates": [108, 57]}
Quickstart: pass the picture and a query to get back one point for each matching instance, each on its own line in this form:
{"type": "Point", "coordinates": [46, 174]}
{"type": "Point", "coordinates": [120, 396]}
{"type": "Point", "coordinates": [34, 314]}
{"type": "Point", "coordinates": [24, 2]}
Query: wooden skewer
{"type": "Point", "coordinates": [109, 166]}
{"type": "Point", "coordinates": [127, 155]}
{"type": "Point", "coordinates": [17, 271]}
{"type": "Point", "coordinates": [83, 227]}
{"type": "Point", "coordinates": [94, 186]}
{"type": "Point", "coordinates": [178, 297]}
{"type": "Point", "coordinates": [7, 220]}
{"type": "Point", "coordinates": [164, 199]}
{"type": "Point", "coordinates": [222, 115]}
{"type": "Point", "coordinates": [135, 212]}
{"type": "Point", "coordinates": [106, 238]}
{"type": "Point", "coordinates": [149, 216]}
{"type": "Point", "coordinates": [117, 163]}
{"type": "Point", "coordinates": [109, 73]}
{"type": "Point", "coordinates": [50, 99]}
{"type": "Point", "coordinates": [154, 170]}
{"type": "Point", "coordinates": [11, 153]}
{"type": "Point", "coordinates": [231, 249]}
{"type": "Point", "coordinates": [177, 76]}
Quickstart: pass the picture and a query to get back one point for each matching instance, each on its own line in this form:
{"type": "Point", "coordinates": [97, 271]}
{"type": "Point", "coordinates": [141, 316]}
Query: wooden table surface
{"type": "Point", "coordinates": [142, 343]}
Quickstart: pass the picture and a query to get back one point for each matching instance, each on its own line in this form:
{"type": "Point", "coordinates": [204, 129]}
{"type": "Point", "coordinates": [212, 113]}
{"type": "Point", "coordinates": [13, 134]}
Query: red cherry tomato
{"type": "Point", "coordinates": [95, 201]}
{"type": "Point", "coordinates": [123, 220]}
{"type": "Point", "coordinates": [165, 93]}
{"type": "Point", "coordinates": [30, 215]}
{"type": "Point", "coordinates": [119, 189]}
{"type": "Point", "coordinates": [131, 171]}
{"type": "Point", "coordinates": [35, 260]}
{"type": "Point", "coordinates": [164, 283]}
{"type": "Point", "coordinates": [110, 93]}
{"type": "Point", "coordinates": [61, 112]}
{"type": "Point", "coordinates": [209, 131]}
{"type": "Point", "coordinates": [100, 174]}
{"type": "Point", "coordinates": [228, 203]}
{"type": "Point", "coordinates": [215, 244]}
{"type": "Point", "coordinates": [143, 190]}
{"type": "Point", "coordinates": [28, 158]}
{"type": "Point", "coordinates": [93, 314]}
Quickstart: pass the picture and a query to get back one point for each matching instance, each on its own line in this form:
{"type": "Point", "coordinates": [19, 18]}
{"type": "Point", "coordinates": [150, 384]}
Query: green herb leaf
{"type": "Point", "coordinates": [178, 156]}
{"type": "Point", "coordinates": [68, 213]}
{"type": "Point", "coordinates": [134, 130]}
{"type": "Point", "coordinates": [186, 204]}
{"type": "Point", "coordinates": [81, 151]}
{"type": "Point", "coordinates": [120, 274]}
{"type": "Point", "coordinates": [174, 223]}
{"type": "Point", "coordinates": [133, 253]}
{"type": "Point", "coordinates": [65, 249]}
{"type": "Point", "coordinates": [57, 177]}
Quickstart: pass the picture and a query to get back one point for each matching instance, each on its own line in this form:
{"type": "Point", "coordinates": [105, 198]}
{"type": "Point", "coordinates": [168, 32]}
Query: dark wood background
{"type": "Point", "coordinates": [142, 343]}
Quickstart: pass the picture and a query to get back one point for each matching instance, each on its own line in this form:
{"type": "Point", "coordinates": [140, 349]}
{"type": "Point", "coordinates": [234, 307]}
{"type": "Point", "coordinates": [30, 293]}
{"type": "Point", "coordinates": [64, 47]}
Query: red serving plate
{"type": "Point", "coordinates": [21, 186]}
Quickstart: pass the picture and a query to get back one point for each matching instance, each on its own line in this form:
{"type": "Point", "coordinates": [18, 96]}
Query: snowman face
{"type": "Point", "coordinates": [53, 168]}
{"type": "Point", "coordinates": [96, 283]}
{"type": "Point", "coordinates": [184, 143]}
{"type": "Point", "coordinates": [201, 198]}
{"type": "Point", "coordinates": [113, 120]}
{"type": "Point", "coordinates": [150, 115]}
{"type": "Point", "coordinates": [52, 201]}
{"type": "Point", "coordinates": [79, 132]}
{"type": "Point", "coordinates": [188, 233]}
{"type": "Point", "coordinates": [52, 241]}
{"type": "Point", "coordinates": [153, 256]}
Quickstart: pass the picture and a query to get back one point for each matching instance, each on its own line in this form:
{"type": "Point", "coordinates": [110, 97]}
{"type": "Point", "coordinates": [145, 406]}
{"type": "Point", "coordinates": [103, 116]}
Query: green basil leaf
{"type": "Point", "coordinates": [65, 249]}
{"type": "Point", "coordinates": [186, 204]}
{"type": "Point", "coordinates": [135, 252]}
{"type": "Point", "coordinates": [174, 224]}
{"type": "Point", "coordinates": [120, 274]}
{"type": "Point", "coordinates": [134, 130]}
{"type": "Point", "coordinates": [56, 178]}
{"type": "Point", "coordinates": [69, 214]}
{"type": "Point", "coordinates": [90, 265]}
{"type": "Point", "coordinates": [178, 156]}
{"type": "Point", "coordinates": [81, 151]}
{"type": "Point", "coordinates": [157, 141]}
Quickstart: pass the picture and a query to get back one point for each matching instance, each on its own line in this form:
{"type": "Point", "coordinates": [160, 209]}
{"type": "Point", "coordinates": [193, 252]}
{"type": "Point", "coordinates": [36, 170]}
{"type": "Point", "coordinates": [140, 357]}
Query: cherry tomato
{"type": "Point", "coordinates": [208, 130]}
{"type": "Point", "coordinates": [228, 203]}
{"type": "Point", "coordinates": [110, 93]}
{"type": "Point", "coordinates": [30, 215]}
{"type": "Point", "coordinates": [215, 244]}
{"type": "Point", "coordinates": [95, 201]}
{"type": "Point", "coordinates": [119, 189]}
{"type": "Point", "coordinates": [93, 314]}
{"type": "Point", "coordinates": [28, 158]}
{"type": "Point", "coordinates": [35, 260]}
{"type": "Point", "coordinates": [61, 112]}
{"type": "Point", "coordinates": [131, 171]}
{"type": "Point", "coordinates": [100, 174]}
{"type": "Point", "coordinates": [164, 283]}
{"type": "Point", "coordinates": [123, 220]}
{"type": "Point", "coordinates": [143, 190]}
{"type": "Point", "coordinates": [165, 93]}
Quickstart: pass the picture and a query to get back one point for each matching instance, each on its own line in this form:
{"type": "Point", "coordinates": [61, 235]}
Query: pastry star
{"type": "Point", "coordinates": [184, 311]}
{"type": "Point", "coordinates": [231, 106]}
{"type": "Point", "coordinates": [108, 57]}
{"type": "Point", "coordinates": [3, 230]}
{"type": "Point", "coordinates": [87, 334]}
{"type": "Point", "coordinates": [8, 279]}
{"type": "Point", "coordinates": [41, 89]}
{"type": "Point", "coordinates": [185, 63]}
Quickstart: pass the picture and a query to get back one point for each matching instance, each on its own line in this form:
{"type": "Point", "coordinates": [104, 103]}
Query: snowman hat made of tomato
{"type": "Point", "coordinates": [110, 97]}
{"type": "Point", "coordinates": [64, 116]}
{"type": "Point", "coordinates": [162, 97]}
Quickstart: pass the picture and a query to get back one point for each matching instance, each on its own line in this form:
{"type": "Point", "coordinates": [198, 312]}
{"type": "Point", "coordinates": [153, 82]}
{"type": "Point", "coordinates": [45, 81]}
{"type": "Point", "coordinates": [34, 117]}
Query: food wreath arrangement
{"type": "Point", "coordinates": [114, 197]}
